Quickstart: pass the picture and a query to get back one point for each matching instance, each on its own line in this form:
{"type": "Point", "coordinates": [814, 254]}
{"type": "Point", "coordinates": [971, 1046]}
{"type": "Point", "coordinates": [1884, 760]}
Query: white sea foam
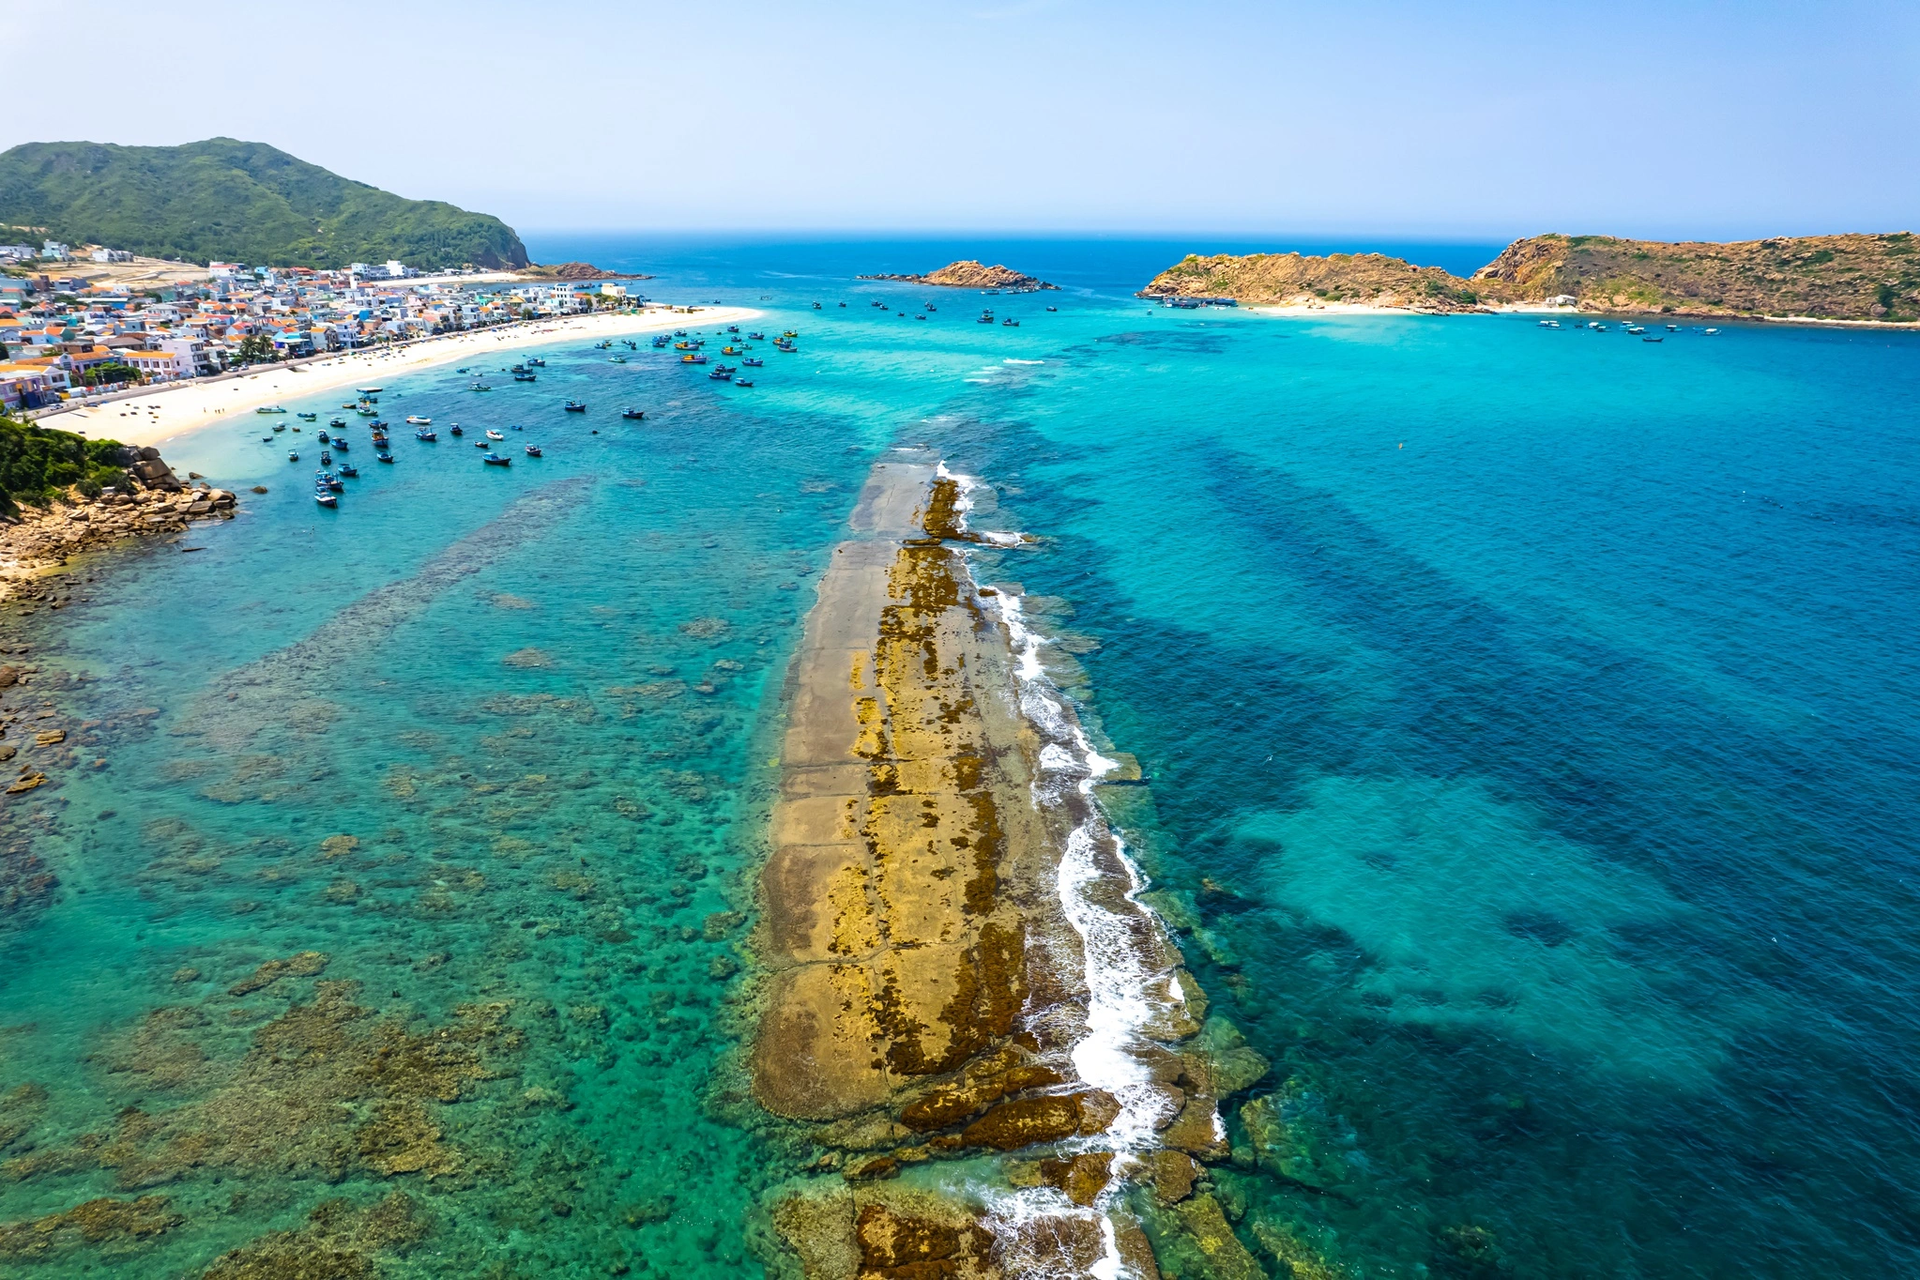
{"type": "Point", "coordinates": [1011, 360]}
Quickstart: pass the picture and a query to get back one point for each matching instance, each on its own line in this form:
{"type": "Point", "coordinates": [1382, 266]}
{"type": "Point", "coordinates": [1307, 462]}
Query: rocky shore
{"type": "Point", "coordinates": [931, 977]}
{"type": "Point", "coordinates": [968, 274]}
{"type": "Point", "coordinates": [152, 501]}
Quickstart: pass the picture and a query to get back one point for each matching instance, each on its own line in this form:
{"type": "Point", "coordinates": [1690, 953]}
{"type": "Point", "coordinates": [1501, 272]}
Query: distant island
{"type": "Point", "coordinates": [240, 201]}
{"type": "Point", "coordinates": [576, 271]}
{"type": "Point", "coordinates": [968, 274]}
{"type": "Point", "coordinates": [1841, 277]}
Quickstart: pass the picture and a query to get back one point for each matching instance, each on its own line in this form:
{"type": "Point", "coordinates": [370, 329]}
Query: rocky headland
{"type": "Point", "coordinates": [150, 500]}
{"type": "Point", "coordinates": [1851, 278]}
{"type": "Point", "coordinates": [968, 274]}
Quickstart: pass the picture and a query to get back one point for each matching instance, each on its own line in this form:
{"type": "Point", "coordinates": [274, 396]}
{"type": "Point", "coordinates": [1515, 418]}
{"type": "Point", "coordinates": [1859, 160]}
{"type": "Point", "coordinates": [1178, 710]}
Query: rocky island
{"type": "Point", "coordinates": [968, 274]}
{"type": "Point", "coordinates": [1863, 278]}
{"type": "Point", "coordinates": [1293, 280]}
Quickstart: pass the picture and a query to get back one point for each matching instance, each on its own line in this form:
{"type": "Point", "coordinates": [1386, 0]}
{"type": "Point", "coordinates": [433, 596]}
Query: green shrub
{"type": "Point", "coordinates": [36, 463]}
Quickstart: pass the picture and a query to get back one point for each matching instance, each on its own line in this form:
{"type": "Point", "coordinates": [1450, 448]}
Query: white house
{"type": "Point", "coordinates": [55, 251]}
{"type": "Point", "coordinates": [112, 255]}
{"type": "Point", "coordinates": [158, 366]}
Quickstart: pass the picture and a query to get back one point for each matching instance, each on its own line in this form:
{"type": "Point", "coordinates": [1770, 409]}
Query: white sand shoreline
{"type": "Point", "coordinates": [167, 413]}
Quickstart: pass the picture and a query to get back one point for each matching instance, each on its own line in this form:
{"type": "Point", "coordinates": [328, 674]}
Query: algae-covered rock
{"type": "Point", "coordinates": [1049, 1118]}
{"type": "Point", "coordinates": [339, 1242]}
{"type": "Point", "coordinates": [1172, 1174]}
{"type": "Point", "coordinates": [1197, 1130]}
{"type": "Point", "coordinates": [1194, 1241]}
{"type": "Point", "coordinates": [1293, 1258]}
{"type": "Point", "coordinates": [1293, 1138]}
{"type": "Point", "coordinates": [115, 1225]}
{"type": "Point", "coordinates": [952, 1103]}
{"type": "Point", "coordinates": [1082, 1177]}
{"type": "Point", "coordinates": [1220, 1063]}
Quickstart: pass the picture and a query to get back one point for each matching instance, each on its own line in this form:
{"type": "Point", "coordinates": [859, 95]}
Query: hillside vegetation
{"type": "Point", "coordinates": [36, 462]}
{"type": "Point", "coordinates": [1845, 277]}
{"type": "Point", "coordinates": [1282, 279]}
{"type": "Point", "coordinates": [238, 201]}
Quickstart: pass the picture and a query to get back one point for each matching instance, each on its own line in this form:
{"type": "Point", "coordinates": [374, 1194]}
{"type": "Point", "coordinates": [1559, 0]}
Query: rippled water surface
{"type": "Point", "coordinates": [1528, 715]}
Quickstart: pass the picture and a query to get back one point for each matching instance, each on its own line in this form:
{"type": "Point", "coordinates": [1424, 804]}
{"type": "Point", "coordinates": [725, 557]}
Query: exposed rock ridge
{"type": "Point", "coordinates": [969, 274]}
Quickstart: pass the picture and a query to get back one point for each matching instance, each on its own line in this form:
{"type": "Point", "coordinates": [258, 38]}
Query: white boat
{"type": "Point", "coordinates": [416, 420]}
{"type": "Point", "coordinates": [269, 408]}
{"type": "Point", "coordinates": [369, 391]}
{"type": "Point", "coordinates": [494, 435]}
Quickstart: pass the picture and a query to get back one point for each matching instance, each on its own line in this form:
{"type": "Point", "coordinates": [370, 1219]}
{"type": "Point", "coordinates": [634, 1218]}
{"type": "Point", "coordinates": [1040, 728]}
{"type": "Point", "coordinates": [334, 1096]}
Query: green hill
{"type": "Point", "coordinates": [236, 201]}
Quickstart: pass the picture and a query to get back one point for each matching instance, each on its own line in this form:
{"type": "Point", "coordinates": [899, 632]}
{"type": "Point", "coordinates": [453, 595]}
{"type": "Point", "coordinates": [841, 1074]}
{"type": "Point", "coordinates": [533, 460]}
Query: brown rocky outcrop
{"type": "Point", "coordinates": [1844, 277]}
{"type": "Point", "coordinates": [1292, 279]}
{"type": "Point", "coordinates": [968, 274]}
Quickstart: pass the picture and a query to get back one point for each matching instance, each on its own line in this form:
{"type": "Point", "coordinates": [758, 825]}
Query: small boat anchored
{"type": "Point", "coordinates": [571, 406]}
{"type": "Point", "coordinates": [494, 435]}
{"type": "Point", "coordinates": [533, 451]}
{"type": "Point", "coordinates": [269, 408]}
{"type": "Point", "coordinates": [633, 415]}
{"type": "Point", "coordinates": [417, 420]}
{"type": "Point", "coordinates": [497, 460]}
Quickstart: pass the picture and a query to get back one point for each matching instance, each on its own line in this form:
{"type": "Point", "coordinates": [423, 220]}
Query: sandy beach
{"type": "Point", "coordinates": [170, 412]}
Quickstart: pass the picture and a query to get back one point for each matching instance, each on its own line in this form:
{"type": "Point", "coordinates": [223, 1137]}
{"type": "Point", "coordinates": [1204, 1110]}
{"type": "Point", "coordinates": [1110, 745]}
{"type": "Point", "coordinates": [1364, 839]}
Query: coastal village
{"type": "Point", "coordinates": [85, 323]}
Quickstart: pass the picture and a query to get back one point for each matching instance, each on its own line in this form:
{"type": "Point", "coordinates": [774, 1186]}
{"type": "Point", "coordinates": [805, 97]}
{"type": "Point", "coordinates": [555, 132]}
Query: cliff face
{"type": "Point", "coordinates": [968, 274]}
{"type": "Point", "coordinates": [1845, 277]}
{"type": "Point", "coordinates": [1282, 279]}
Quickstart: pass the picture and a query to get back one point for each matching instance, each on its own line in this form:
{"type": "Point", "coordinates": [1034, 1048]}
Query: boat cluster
{"type": "Point", "coordinates": [1632, 330]}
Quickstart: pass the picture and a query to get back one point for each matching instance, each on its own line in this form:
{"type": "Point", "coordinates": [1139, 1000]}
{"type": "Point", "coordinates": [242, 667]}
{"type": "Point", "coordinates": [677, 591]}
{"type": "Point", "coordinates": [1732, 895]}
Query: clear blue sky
{"type": "Point", "coordinates": [1474, 121]}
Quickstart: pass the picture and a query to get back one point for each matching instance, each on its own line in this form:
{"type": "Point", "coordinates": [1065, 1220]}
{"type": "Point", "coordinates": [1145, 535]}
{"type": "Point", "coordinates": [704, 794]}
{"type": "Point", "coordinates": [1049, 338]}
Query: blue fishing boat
{"type": "Point", "coordinates": [350, 471]}
{"type": "Point", "coordinates": [575, 406]}
{"type": "Point", "coordinates": [533, 451]}
{"type": "Point", "coordinates": [325, 499]}
{"type": "Point", "coordinates": [426, 433]}
{"type": "Point", "coordinates": [293, 455]}
{"type": "Point", "coordinates": [721, 375]}
{"type": "Point", "coordinates": [497, 460]}
{"type": "Point", "coordinates": [340, 443]}
{"type": "Point", "coordinates": [383, 456]}
{"type": "Point", "coordinates": [634, 415]}
{"type": "Point", "coordinates": [757, 337]}
{"type": "Point", "coordinates": [742, 382]}
{"type": "Point", "coordinates": [307, 417]}
{"type": "Point", "coordinates": [536, 364]}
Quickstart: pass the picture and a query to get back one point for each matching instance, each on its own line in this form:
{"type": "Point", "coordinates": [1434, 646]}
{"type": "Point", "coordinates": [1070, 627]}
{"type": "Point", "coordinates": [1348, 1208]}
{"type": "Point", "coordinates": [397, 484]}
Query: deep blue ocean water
{"type": "Point", "coordinates": [1529, 716]}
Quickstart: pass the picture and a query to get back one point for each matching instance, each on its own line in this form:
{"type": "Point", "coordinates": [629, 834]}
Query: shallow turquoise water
{"type": "Point", "coordinates": [1529, 717]}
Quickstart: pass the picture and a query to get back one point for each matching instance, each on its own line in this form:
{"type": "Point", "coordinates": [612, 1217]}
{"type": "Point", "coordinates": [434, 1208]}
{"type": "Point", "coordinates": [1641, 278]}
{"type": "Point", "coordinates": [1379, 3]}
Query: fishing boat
{"type": "Point", "coordinates": [660, 341]}
{"type": "Point", "coordinates": [279, 426]}
{"type": "Point", "coordinates": [417, 420]}
{"type": "Point", "coordinates": [729, 350]}
{"type": "Point", "coordinates": [816, 306]}
{"type": "Point", "coordinates": [307, 417]}
{"type": "Point", "coordinates": [293, 455]}
{"type": "Point", "coordinates": [455, 429]}
{"type": "Point", "coordinates": [383, 456]}
{"type": "Point", "coordinates": [269, 408]}
{"type": "Point", "coordinates": [497, 460]}
{"type": "Point", "coordinates": [479, 386]}
{"type": "Point", "coordinates": [326, 480]}
{"type": "Point", "coordinates": [266, 439]}
{"type": "Point", "coordinates": [494, 435]}
{"type": "Point", "coordinates": [349, 470]}
{"type": "Point", "coordinates": [616, 359]}
{"type": "Point", "coordinates": [1651, 338]}
{"type": "Point", "coordinates": [742, 382]}
{"type": "Point", "coordinates": [536, 364]}
{"type": "Point", "coordinates": [367, 411]}
{"type": "Point", "coordinates": [340, 443]}
{"type": "Point", "coordinates": [326, 459]}
{"type": "Point", "coordinates": [683, 346]}
{"type": "Point", "coordinates": [930, 307]}
{"type": "Point", "coordinates": [630, 344]}
{"type": "Point", "coordinates": [426, 433]}
{"type": "Point", "coordinates": [787, 347]}
{"type": "Point", "coordinates": [323, 435]}
{"type": "Point", "coordinates": [574, 406]}
{"type": "Point", "coordinates": [733, 328]}
{"type": "Point", "coordinates": [679, 333]}
{"type": "Point", "coordinates": [1673, 328]}
{"type": "Point", "coordinates": [369, 391]}
{"type": "Point", "coordinates": [1053, 308]}
{"type": "Point", "coordinates": [753, 362]}
{"type": "Point", "coordinates": [721, 375]}
{"type": "Point", "coordinates": [756, 337]}
{"type": "Point", "coordinates": [693, 358]}
{"type": "Point", "coordinates": [791, 333]}
{"type": "Point", "coordinates": [603, 346]}
{"type": "Point", "coordinates": [325, 498]}
{"type": "Point", "coordinates": [1010, 323]}
{"type": "Point", "coordinates": [533, 451]}
{"type": "Point", "coordinates": [633, 415]}
{"type": "Point", "coordinates": [526, 377]}
{"type": "Point", "coordinates": [379, 439]}
{"type": "Point", "coordinates": [336, 422]}
{"type": "Point", "coordinates": [986, 317]}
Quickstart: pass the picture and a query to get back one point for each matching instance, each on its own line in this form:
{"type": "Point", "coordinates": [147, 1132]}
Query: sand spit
{"type": "Point", "coordinates": [965, 1008]}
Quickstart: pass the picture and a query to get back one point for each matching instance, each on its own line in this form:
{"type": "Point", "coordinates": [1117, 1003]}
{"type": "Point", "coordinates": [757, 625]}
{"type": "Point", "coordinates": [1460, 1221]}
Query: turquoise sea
{"type": "Point", "coordinates": [1529, 717]}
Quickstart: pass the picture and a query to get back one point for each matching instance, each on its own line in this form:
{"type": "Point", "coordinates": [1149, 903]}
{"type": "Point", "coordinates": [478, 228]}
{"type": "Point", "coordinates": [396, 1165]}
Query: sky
{"type": "Point", "coordinates": [1482, 121]}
